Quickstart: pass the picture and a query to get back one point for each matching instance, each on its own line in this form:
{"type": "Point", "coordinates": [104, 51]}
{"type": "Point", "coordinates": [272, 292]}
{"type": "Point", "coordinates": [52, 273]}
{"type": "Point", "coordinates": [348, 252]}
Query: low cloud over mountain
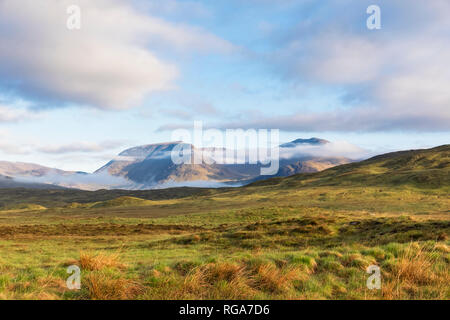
{"type": "Point", "coordinates": [151, 166]}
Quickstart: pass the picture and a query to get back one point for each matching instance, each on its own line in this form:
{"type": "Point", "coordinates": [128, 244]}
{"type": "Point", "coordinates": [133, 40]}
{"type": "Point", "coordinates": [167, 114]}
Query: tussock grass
{"type": "Point", "coordinates": [216, 280]}
{"type": "Point", "coordinates": [91, 261]}
{"type": "Point", "coordinates": [227, 280]}
{"type": "Point", "coordinates": [101, 286]}
{"type": "Point", "coordinates": [275, 280]}
{"type": "Point", "coordinates": [415, 266]}
{"type": "Point", "coordinates": [418, 273]}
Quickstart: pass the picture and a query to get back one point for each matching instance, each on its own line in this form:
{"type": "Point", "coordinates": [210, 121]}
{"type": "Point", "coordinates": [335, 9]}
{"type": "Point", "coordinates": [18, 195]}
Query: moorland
{"type": "Point", "coordinates": [307, 236]}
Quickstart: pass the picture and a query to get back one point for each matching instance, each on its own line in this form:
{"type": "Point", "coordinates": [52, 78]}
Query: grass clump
{"type": "Point", "coordinates": [101, 286]}
{"type": "Point", "coordinates": [418, 272]}
{"type": "Point", "coordinates": [91, 261]}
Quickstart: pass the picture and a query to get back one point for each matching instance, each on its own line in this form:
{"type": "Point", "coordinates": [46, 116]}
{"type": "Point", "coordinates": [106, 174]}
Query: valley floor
{"type": "Point", "coordinates": [247, 243]}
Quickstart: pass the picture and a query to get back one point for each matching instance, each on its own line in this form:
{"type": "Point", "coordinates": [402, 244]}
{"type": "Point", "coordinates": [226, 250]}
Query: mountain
{"type": "Point", "coordinates": [152, 166]}
{"type": "Point", "coordinates": [299, 142]}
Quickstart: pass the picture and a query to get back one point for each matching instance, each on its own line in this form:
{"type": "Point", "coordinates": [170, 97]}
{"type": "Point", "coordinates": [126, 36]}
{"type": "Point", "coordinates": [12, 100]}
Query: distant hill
{"type": "Point", "coordinates": [23, 169]}
{"type": "Point", "coordinates": [31, 175]}
{"type": "Point", "coordinates": [9, 182]}
{"type": "Point", "coordinates": [427, 168]}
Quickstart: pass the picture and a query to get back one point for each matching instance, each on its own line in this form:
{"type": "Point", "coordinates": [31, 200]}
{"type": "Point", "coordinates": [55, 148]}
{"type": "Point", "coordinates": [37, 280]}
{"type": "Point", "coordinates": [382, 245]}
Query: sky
{"type": "Point", "coordinates": [137, 70]}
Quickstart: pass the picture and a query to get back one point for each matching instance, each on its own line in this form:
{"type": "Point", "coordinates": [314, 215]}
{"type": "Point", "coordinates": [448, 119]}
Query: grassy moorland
{"type": "Point", "coordinates": [309, 236]}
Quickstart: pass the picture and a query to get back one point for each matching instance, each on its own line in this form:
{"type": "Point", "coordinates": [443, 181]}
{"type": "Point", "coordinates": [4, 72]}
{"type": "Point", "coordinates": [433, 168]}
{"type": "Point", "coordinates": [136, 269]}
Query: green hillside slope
{"type": "Point", "coordinates": [429, 168]}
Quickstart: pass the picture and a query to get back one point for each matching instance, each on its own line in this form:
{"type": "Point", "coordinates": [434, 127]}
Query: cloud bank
{"type": "Point", "coordinates": [92, 182]}
{"type": "Point", "coordinates": [112, 62]}
{"type": "Point", "coordinates": [331, 149]}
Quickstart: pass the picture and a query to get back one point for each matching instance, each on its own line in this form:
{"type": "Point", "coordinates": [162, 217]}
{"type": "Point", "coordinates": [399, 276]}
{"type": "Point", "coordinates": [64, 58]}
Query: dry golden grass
{"type": "Point", "coordinates": [102, 287]}
{"type": "Point", "coordinates": [47, 296]}
{"type": "Point", "coordinates": [52, 283]}
{"type": "Point", "coordinates": [223, 271]}
{"type": "Point", "coordinates": [272, 279]}
{"type": "Point", "coordinates": [414, 272]}
{"type": "Point", "coordinates": [227, 280]}
{"type": "Point", "coordinates": [215, 280]}
{"type": "Point", "coordinates": [99, 261]}
{"type": "Point", "coordinates": [442, 247]}
{"type": "Point", "coordinates": [415, 266]}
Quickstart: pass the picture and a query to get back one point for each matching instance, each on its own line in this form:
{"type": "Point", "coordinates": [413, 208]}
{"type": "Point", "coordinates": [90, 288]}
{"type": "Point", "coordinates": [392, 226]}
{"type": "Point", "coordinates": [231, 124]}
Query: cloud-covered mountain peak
{"type": "Point", "coordinates": [310, 141]}
{"type": "Point", "coordinates": [149, 149]}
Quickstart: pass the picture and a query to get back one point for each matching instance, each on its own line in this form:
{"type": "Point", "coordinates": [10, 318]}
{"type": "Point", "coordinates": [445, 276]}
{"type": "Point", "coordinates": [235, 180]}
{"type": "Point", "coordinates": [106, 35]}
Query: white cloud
{"type": "Point", "coordinates": [11, 114]}
{"type": "Point", "coordinates": [111, 63]}
{"type": "Point", "coordinates": [341, 61]}
{"type": "Point", "coordinates": [80, 147]}
{"type": "Point", "coordinates": [176, 8]}
{"type": "Point", "coordinates": [13, 149]}
{"type": "Point", "coordinates": [395, 78]}
{"type": "Point", "coordinates": [92, 182]}
{"type": "Point", "coordinates": [11, 146]}
{"type": "Point", "coordinates": [8, 146]}
{"type": "Point", "coordinates": [331, 149]}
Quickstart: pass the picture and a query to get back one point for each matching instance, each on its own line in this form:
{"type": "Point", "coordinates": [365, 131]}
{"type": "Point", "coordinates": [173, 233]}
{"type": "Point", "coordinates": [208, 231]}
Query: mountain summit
{"type": "Point", "coordinates": [310, 141]}
{"type": "Point", "coordinates": [150, 166]}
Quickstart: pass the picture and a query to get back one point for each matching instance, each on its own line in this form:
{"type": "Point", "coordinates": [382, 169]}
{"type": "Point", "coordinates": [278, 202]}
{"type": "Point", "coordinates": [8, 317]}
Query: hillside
{"type": "Point", "coordinates": [7, 182]}
{"type": "Point", "coordinates": [428, 168]}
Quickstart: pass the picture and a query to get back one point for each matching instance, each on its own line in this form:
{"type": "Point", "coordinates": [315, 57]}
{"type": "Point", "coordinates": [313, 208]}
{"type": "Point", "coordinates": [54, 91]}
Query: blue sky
{"type": "Point", "coordinates": [137, 70]}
